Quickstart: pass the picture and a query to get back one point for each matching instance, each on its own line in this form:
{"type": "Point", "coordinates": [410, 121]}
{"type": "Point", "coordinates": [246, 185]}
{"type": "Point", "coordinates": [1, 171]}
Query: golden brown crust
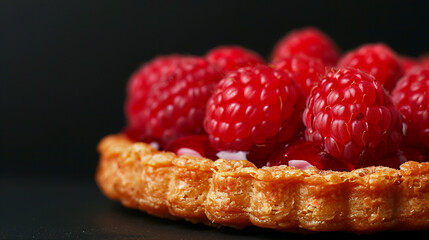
{"type": "Point", "coordinates": [236, 193]}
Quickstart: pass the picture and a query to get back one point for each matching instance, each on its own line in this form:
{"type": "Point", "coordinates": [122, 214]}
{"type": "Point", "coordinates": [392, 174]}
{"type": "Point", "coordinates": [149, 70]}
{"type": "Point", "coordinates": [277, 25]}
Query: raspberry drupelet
{"type": "Point", "coordinates": [302, 154]}
{"type": "Point", "coordinates": [351, 116]}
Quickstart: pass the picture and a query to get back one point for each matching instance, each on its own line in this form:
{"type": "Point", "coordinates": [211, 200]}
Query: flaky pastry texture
{"type": "Point", "coordinates": [236, 193]}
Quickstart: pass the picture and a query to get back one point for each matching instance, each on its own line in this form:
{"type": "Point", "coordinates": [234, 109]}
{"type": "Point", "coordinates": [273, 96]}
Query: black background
{"type": "Point", "coordinates": [63, 70]}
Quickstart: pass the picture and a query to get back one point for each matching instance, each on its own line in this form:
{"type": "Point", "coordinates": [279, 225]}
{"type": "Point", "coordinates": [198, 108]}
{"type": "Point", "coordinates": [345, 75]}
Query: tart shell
{"type": "Point", "coordinates": [236, 193]}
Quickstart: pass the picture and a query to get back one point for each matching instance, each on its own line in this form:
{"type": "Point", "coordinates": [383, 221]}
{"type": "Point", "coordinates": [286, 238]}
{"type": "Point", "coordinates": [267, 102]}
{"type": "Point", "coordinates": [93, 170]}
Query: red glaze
{"type": "Point", "coordinates": [307, 151]}
{"type": "Point", "coordinates": [197, 143]}
{"type": "Point", "coordinates": [414, 154]}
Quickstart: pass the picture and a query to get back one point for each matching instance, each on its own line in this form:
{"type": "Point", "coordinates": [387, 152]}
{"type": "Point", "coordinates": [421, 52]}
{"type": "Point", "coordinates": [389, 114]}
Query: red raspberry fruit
{"type": "Point", "coordinates": [411, 97]}
{"type": "Point", "coordinates": [174, 105]}
{"type": "Point", "coordinates": [424, 61]}
{"type": "Point", "coordinates": [295, 153]}
{"type": "Point", "coordinates": [253, 106]}
{"type": "Point", "coordinates": [307, 41]}
{"type": "Point", "coordinates": [351, 116]}
{"type": "Point", "coordinates": [140, 83]}
{"type": "Point", "coordinates": [304, 70]}
{"type": "Point", "coordinates": [231, 58]}
{"type": "Point", "coordinates": [375, 59]}
{"type": "Point", "coordinates": [408, 63]}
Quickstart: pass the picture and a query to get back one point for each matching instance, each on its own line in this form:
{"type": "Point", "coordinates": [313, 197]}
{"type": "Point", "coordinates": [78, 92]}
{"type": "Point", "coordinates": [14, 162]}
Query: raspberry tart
{"type": "Point", "coordinates": [296, 145]}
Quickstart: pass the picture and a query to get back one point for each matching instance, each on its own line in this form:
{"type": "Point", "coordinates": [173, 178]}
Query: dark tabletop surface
{"type": "Point", "coordinates": [71, 208]}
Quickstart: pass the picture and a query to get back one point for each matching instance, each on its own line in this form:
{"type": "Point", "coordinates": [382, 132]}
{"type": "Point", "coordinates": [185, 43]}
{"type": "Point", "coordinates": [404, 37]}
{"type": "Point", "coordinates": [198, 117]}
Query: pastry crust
{"type": "Point", "coordinates": [236, 193]}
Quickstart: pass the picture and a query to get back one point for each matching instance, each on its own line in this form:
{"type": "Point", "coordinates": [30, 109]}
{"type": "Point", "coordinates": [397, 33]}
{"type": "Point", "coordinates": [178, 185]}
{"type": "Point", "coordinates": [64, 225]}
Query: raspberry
{"type": "Point", "coordinates": [411, 97]}
{"type": "Point", "coordinates": [312, 154]}
{"type": "Point", "coordinates": [254, 106]}
{"type": "Point", "coordinates": [304, 70]}
{"type": "Point", "coordinates": [141, 81]}
{"type": "Point", "coordinates": [375, 59]}
{"type": "Point", "coordinates": [350, 115]}
{"type": "Point", "coordinates": [424, 60]}
{"type": "Point", "coordinates": [307, 41]}
{"type": "Point", "coordinates": [231, 58]}
{"type": "Point", "coordinates": [174, 106]}
{"type": "Point", "coordinates": [408, 63]}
